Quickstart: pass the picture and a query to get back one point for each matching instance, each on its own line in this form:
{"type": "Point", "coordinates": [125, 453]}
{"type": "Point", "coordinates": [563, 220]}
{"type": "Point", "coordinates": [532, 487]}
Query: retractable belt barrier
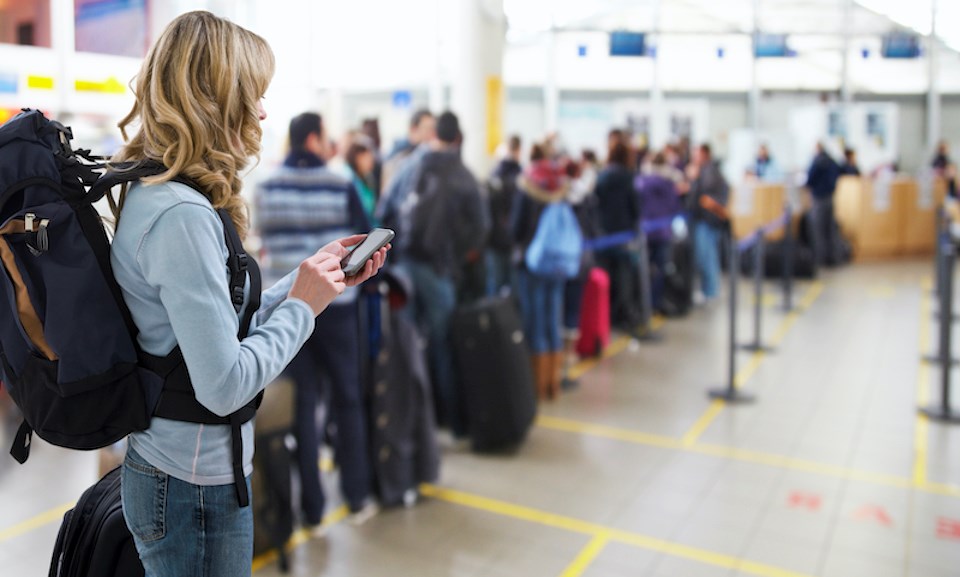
{"type": "Point", "coordinates": [946, 264]}
{"type": "Point", "coordinates": [756, 241]}
{"type": "Point", "coordinates": [645, 331]}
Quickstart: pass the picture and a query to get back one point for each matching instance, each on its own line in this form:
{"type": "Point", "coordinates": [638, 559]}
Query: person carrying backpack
{"type": "Point", "coordinates": [198, 107]}
{"type": "Point", "coordinates": [503, 189]}
{"type": "Point", "coordinates": [550, 247]}
{"type": "Point", "coordinates": [448, 225]}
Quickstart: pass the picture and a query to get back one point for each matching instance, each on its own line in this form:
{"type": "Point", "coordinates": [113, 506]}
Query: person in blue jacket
{"type": "Point", "coordinates": [822, 182]}
{"type": "Point", "coordinates": [197, 111]}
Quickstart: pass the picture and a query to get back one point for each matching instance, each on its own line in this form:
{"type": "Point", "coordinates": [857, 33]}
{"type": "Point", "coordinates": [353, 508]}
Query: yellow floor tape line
{"type": "Point", "coordinates": [40, 520]}
{"type": "Point", "coordinates": [586, 556]}
{"type": "Point", "coordinates": [742, 455]}
{"type": "Point", "coordinates": [746, 373]}
{"type": "Point", "coordinates": [617, 346]}
{"type": "Point", "coordinates": [299, 538]}
{"type": "Point", "coordinates": [556, 521]}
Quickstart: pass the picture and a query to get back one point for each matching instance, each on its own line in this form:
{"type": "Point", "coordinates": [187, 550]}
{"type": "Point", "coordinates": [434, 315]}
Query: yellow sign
{"type": "Point", "coordinates": [108, 86]}
{"type": "Point", "coordinates": [40, 82]}
{"type": "Point", "coordinates": [494, 113]}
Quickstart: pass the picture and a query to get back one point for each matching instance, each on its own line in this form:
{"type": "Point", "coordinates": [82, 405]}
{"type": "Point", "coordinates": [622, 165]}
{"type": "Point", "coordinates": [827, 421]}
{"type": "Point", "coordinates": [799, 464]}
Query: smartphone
{"type": "Point", "coordinates": [376, 239]}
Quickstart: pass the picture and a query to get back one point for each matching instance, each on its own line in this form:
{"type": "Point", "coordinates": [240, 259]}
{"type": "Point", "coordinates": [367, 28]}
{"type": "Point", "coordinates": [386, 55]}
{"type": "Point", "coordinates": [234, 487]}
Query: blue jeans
{"type": "Point", "coordinates": [660, 262]}
{"type": "Point", "coordinates": [706, 246]}
{"type": "Point", "coordinates": [185, 529]}
{"type": "Point", "coordinates": [333, 351]}
{"type": "Point", "coordinates": [499, 272]}
{"type": "Point", "coordinates": [541, 304]}
{"type": "Point", "coordinates": [435, 299]}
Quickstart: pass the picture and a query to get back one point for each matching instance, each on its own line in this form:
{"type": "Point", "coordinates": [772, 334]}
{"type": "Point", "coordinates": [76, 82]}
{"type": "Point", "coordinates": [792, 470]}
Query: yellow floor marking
{"type": "Point", "coordinates": [539, 517]}
{"type": "Point", "coordinates": [586, 556]}
{"type": "Point", "coordinates": [922, 429]}
{"type": "Point", "coordinates": [747, 371]}
{"type": "Point", "coordinates": [299, 538]}
{"type": "Point", "coordinates": [742, 455]}
{"type": "Point", "coordinates": [882, 292]}
{"type": "Point", "coordinates": [36, 522]}
{"type": "Point", "coordinates": [701, 425]}
{"type": "Point", "coordinates": [616, 347]}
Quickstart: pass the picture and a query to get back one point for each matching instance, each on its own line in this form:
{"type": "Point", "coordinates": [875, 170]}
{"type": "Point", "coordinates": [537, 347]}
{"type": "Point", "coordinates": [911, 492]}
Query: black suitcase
{"type": "Point", "coordinates": [493, 365]}
{"type": "Point", "coordinates": [272, 463]}
{"type": "Point", "coordinates": [678, 282]}
{"type": "Point", "coordinates": [94, 540]}
{"type": "Point", "coordinates": [804, 261]}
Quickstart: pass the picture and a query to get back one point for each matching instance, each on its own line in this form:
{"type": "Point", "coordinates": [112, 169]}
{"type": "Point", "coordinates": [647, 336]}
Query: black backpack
{"type": "Point", "coordinates": [68, 346]}
{"type": "Point", "coordinates": [93, 538]}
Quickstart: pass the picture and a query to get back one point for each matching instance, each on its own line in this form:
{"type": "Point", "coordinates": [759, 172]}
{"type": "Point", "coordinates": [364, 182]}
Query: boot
{"type": "Point", "coordinates": [540, 364]}
{"type": "Point", "coordinates": [555, 374]}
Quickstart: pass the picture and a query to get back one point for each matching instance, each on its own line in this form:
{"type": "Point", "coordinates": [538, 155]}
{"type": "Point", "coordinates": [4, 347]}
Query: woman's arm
{"type": "Point", "coordinates": [182, 256]}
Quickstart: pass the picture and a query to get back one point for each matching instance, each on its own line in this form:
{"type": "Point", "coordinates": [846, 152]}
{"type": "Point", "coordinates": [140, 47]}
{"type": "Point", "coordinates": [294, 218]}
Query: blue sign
{"type": "Point", "coordinates": [720, 52]}
{"type": "Point", "coordinates": [9, 83]}
{"type": "Point", "coordinates": [627, 44]}
{"type": "Point", "coordinates": [582, 50]}
{"type": "Point", "coordinates": [402, 99]}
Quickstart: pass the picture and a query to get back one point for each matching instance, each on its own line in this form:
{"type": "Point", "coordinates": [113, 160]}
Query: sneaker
{"type": "Point", "coordinates": [364, 514]}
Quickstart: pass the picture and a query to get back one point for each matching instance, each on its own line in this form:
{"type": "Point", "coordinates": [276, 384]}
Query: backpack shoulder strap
{"type": "Point", "coordinates": [240, 264]}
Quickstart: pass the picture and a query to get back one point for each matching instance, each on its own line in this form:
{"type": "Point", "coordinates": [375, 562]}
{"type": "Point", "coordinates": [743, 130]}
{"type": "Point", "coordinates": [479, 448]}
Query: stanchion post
{"type": "Point", "coordinates": [758, 272]}
{"type": "Point", "coordinates": [730, 393]}
{"type": "Point", "coordinates": [937, 261]}
{"type": "Point", "coordinates": [789, 254]}
{"type": "Point", "coordinates": [646, 332]}
{"type": "Point", "coordinates": [943, 355]}
{"type": "Point", "coordinates": [943, 411]}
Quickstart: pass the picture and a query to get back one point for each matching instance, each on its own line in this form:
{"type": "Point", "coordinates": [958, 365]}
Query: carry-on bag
{"type": "Point", "coordinates": [94, 540]}
{"type": "Point", "coordinates": [595, 315]}
{"type": "Point", "coordinates": [272, 463]}
{"type": "Point", "coordinates": [493, 364]}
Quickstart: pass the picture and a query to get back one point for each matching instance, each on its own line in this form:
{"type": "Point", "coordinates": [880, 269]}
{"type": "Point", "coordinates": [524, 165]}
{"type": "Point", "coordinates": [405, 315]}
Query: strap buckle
{"type": "Point", "coordinates": [237, 296]}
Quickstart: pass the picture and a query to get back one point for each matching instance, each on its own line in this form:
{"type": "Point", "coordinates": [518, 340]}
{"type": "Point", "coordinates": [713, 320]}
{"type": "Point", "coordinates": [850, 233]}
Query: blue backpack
{"type": "Point", "coordinates": [557, 246]}
{"type": "Point", "coordinates": [68, 346]}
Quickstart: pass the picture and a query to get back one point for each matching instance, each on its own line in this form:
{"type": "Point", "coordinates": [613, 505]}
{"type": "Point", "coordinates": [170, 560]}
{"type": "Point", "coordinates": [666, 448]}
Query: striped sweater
{"type": "Point", "coordinates": [302, 207]}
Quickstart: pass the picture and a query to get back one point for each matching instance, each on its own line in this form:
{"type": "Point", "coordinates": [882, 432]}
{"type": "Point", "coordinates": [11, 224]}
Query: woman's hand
{"type": "Point", "coordinates": [341, 248]}
{"type": "Point", "coordinates": [371, 268]}
{"type": "Point", "coordinates": [319, 281]}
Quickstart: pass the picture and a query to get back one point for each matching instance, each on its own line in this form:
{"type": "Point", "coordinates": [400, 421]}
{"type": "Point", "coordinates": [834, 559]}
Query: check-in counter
{"type": "Point", "coordinates": [755, 204]}
{"type": "Point", "coordinates": [889, 216]}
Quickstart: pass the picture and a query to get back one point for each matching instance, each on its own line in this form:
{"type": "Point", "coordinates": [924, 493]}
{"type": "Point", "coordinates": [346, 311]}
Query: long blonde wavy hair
{"type": "Point", "coordinates": [197, 106]}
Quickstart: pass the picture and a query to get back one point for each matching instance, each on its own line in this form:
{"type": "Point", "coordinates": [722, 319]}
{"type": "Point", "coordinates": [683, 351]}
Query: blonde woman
{"type": "Point", "coordinates": [198, 110]}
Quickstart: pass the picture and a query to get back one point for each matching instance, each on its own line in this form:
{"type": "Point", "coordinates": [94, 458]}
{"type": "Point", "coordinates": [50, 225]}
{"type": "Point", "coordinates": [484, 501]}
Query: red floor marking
{"type": "Point", "coordinates": [948, 528]}
{"type": "Point", "coordinates": [801, 500]}
{"type": "Point", "coordinates": [874, 513]}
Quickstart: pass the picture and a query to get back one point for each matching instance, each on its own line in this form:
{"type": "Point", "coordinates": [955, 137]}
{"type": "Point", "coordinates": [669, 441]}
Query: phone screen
{"type": "Point", "coordinates": [376, 239]}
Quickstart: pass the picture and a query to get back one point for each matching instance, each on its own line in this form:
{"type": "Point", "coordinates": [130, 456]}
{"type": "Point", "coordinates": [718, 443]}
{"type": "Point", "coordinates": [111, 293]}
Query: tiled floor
{"type": "Point", "coordinates": [829, 473]}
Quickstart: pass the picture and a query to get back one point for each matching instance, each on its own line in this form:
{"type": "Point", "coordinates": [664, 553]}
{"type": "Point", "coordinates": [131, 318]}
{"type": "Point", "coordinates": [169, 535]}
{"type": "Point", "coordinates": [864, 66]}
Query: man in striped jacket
{"type": "Point", "coordinates": [300, 208]}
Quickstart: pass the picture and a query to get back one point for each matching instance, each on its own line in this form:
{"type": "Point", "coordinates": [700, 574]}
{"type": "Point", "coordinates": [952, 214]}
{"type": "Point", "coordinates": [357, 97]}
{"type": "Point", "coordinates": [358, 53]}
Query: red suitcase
{"type": "Point", "coordinates": [595, 315]}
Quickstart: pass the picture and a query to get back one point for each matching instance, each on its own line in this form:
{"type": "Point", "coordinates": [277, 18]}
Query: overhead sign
{"type": "Point", "coordinates": [402, 99]}
{"type": "Point", "coordinates": [40, 82]}
{"type": "Point", "coordinates": [108, 86]}
{"type": "Point", "coordinates": [8, 83]}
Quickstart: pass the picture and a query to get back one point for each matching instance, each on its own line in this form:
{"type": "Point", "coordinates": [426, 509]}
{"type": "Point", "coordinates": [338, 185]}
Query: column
{"type": "Point", "coordinates": [933, 91]}
{"type": "Point", "coordinates": [476, 78]}
{"type": "Point", "coordinates": [754, 76]}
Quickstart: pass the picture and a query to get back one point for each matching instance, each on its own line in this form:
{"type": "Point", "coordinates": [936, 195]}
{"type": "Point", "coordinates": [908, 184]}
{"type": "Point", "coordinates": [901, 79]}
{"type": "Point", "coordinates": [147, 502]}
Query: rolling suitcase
{"type": "Point", "coordinates": [272, 463]}
{"type": "Point", "coordinates": [678, 284]}
{"type": "Point", "coordinates": [493, 364]}
{"type": "Point", "coordinates": [94, 540]}
{"type": "Point", "coordinates": [595, 315]}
